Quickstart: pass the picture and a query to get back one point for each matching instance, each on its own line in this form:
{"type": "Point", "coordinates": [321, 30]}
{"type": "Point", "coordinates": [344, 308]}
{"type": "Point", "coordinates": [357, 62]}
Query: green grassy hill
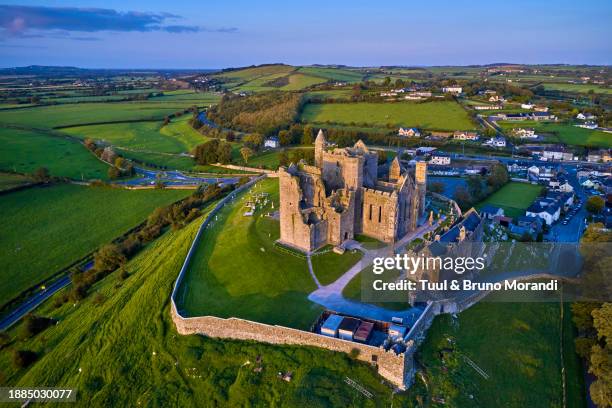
{"type": "Point", "coordinates": [123, 350]}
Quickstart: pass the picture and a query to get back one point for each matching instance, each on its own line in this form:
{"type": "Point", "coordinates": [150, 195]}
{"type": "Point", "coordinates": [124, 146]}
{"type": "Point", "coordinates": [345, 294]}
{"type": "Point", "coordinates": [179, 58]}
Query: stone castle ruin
{"type": "Point", "coordinates": [342, 195]}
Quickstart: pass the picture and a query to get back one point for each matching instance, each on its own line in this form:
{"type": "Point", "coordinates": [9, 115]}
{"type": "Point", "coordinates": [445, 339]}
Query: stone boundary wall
{"type": "Point", "coordinates": [441, 197]}
{"type": "Point", "coordinates": [270, 173]}
{"type": "Point", "coordinates": [390, 365]}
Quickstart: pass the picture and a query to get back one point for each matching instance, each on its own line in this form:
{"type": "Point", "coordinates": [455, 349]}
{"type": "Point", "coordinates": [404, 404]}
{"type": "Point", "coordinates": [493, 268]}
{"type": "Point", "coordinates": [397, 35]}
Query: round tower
{"type": "Point", "coordinates": [319, 148]}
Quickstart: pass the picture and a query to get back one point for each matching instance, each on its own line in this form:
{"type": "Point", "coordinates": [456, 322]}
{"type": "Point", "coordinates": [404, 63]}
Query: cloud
{"type": "Point", "coordinates": [21, 21]}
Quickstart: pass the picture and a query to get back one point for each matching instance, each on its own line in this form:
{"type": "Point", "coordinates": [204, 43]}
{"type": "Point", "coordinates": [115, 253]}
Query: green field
{"type": "Point", "coordinates": [581, 88]}
{"type": "Point", "coordinates": [516, 344]}
{"type": "Point", "coordinates": [429, 115]}
{"type": "Point", "coordinates": [300, 81]}
{"type": "Point", "coordinates": [514, 198]}
{"type": "Point", "coordinates": [335, 74]}
{"type": "Point", "coordinates": [237, 271]}
{"type": "Point", "coordinates": [565, 133]}
{"type": "Point", "coordinates": [9, 180]}
{"type": "Point", "coordinates": [176, 137]}
{"type": "Point", "coordinates": [125, 351]}
{"type": "Point", "coordinates": [80, 114]}
{"type": "Point", "coordinates": [268, 159]}
{"type": "Point", "coordinates": [25, 151]}
{"type": "Point", "coordinates": [48, 228]}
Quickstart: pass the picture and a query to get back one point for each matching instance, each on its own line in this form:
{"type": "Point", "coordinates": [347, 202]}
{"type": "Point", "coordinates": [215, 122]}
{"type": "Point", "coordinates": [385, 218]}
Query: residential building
{"type": "Point", "coordinates": [526, 106]}
{"type": "Point", "coordinates": [557, 153]}
{"type": "Point", "coordinates": [524, 133]}
{"type": "Point", "coordinates": [491, 211]}
{"type": "Point", "coordinates": [596, 156]}
{"type": "Point", "coordinates": [589, 124]}
{"type": "Point", "coordinates": [453, 89]}
{"type": "Point", "coordinates": [497, 141]}
{"type": "Point", "coordinates": [409, 132]}
{"type": "Point", "coordinates": [272, 142]}
{"type": "Point", "coordinates": [463, 135]}
{"type": "Point", "coordinates": [440, 159]}
{"type": "Point", "coordinates": [488, 107]}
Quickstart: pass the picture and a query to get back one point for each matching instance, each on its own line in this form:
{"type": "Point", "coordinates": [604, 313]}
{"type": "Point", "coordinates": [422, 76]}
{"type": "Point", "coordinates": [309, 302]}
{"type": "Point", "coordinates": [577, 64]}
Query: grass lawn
{"type": "Point", "coordinates": [330, 266]}
{"type": "Point", "coordinates": [336, 74]}
{"type": "Point", "coordinates": [428, 115]}
{"type": "Point", "coordinates": [85, 113]}
{"type": "Point", "coordinates": [352, 291]}
{"type": "Point", "coordinates": [300, 81]}
{"type": "Point", "coordinates": [516, 344]}
{"type": "Point", "coordinates": [237, 271]}
{"type": "Point", "coordinates": [125, 351]}
{"type": "Point", "coordinates": [269, 159]}
{"type": "Point", "coordinates": [25, 151]}
{"type": "Point", "coordinates": [10, 180]}
{"type": "Point", "coordinates": [514, 198]}
{"type": "Point", "coordinates": [35, 245]}
{"type": "Point", "coordinates": [176, 137]}
{"type": "Point", "coordinates": [581, 88]}
{"type": "Point", "coordinates": [565, 133]}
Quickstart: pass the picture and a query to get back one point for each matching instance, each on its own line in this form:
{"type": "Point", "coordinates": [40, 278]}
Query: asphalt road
{"type": "Point", "coordinates": [33, 302]}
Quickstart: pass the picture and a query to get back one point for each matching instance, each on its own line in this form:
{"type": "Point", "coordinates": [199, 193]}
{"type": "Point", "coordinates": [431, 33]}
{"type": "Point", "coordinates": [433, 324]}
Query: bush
{"type": "Point", "coordinates": [33, 325]}
{"type": "Point", "coordinates": [23, 358]}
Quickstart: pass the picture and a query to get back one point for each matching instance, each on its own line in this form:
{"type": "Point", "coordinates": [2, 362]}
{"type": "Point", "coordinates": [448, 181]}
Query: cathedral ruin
{"type": "Point", "coordinates": [342, 195]}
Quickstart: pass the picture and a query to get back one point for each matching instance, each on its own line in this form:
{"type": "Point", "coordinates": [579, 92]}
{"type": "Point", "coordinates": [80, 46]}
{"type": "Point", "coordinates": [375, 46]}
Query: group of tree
{"type": "Point", "coordinates": [285, 158]}
{"type": "Point", "coordinates": [213, 151]}
{"type": "Point", "coordinates": [264, 113]}
{"type": "Point", "coordinates": [113, 256]}
{"type": "Point", "coordinates": [119, 166]}
{"type": "Point", "coordinates": [593, 319]}
{"type": "Point", "coordinates": [479, 187]}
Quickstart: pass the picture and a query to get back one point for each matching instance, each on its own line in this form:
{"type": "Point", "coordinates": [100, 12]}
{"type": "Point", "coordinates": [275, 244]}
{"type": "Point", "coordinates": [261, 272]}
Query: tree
{"type": "Point", "coordinates": [284, 138]}
{"type": "Point", "coordinates": [463, 197]}
{"type": "Point", "coordinates": [206, 153]}
{"type": "Point", "coordinates": [119, 162]}
{"type": "Point", "coordinates": [436, 187]}
{"type": "Point", "coordinates": [41, 175]}
{"type": "Point", "coordinates": [246, 154]}
{"type": "Point", "coordinates": [595, 204]}
{"type": "Point", "coordinates": [283, 158]}
{"type": "Point", "coordinates": [386, 81]}
{"type": "Point", "coordinates": [475, 187]}
{"type": "Point", "coordinates": [253, 140]}
{"type": "Point", "coordinates": [113, 173]}
{"type": "Point", "coordinates": [224, 153]}
{"type": "Point", "coordinates": [307, 135]}
{"type": "Point", "coordinates": [498, 176]}
{"type": "Point", "coordinates": [23, 358]}
{"type": "Point", "coordinates": [108, 258]}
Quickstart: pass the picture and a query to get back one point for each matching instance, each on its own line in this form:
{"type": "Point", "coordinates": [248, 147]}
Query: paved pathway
{"type": "Point", "coordinates": [314, 277]}
{"type": "Point", "coordinates": [330, 296]}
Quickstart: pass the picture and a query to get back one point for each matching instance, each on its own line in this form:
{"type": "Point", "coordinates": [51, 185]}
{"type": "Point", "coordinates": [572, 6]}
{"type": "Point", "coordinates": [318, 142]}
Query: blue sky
{"type": "Point", "coordinates": [207, 34]}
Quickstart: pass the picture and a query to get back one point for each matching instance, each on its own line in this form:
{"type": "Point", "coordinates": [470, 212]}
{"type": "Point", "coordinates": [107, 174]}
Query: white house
{"type": "Point", "coordinates": [453, 89]}
{"type": "Point", "coordinates": [496, 98]}
{"type": "Point", "coordinates": [409, 132]}
{"type": "Point", "coordinates": [488, 107]}
{"type": "Point", "coordinates": [585, 116]}
{"type": "Point", "coordinates": [566, 187]}
{"type": "Point", "coordinates": [526, 106]}
{"type": "Point", "coordinates": [588, 125]}
{"type": "Point", "coordinates": [496, 142]}
{"type": "Point", "coordinates": [272, 142]}
{"type": "Point", "coordinates": [440, 159]}
{"type": "Point", "coordinates": [524, 133]}
{"type": "Point", "coordinates": [549, 212]}
{"type": "Point", "coordinates": [462, 135]}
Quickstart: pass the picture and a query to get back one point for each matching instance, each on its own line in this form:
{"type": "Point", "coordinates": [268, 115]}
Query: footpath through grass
{"type": "Point", "coordinates": [123, 350]}
{"type": "Point", "coordinates": [514, 198]}
{"type": "Point", "coordinates": [429, 115]}
{"type": "Point", "coordinates": [25, 151]}
{"type": "Point", "coordinates": [48, 228]}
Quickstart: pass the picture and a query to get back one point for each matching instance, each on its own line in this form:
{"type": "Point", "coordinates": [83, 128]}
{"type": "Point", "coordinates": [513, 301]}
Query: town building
{"type": "Point", "coordinates": [596, 156]}
{"type": "Point", "coordinates": [409, 132]}
{"type": "Point", "coordinates": [524, 133]}
{"type": "Point", "coordinates": [497, 141]}
{"type": "Point", "coordinates": [440, 159]}
{"type": "Point", "coordinates": [452, 89]}
{"type": "Point", "coordinates": [462, 135]}
{"type": "Point", "coordinates": [342, 195]}
{"type": "Point", "coordinates": [272, 142]}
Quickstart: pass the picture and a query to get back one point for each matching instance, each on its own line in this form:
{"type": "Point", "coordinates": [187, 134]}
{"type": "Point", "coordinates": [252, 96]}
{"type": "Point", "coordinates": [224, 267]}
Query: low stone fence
{"type": "Point", "coordinates": [270, 173]}
{"type": "Point", "coordinates": [390, 366]}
